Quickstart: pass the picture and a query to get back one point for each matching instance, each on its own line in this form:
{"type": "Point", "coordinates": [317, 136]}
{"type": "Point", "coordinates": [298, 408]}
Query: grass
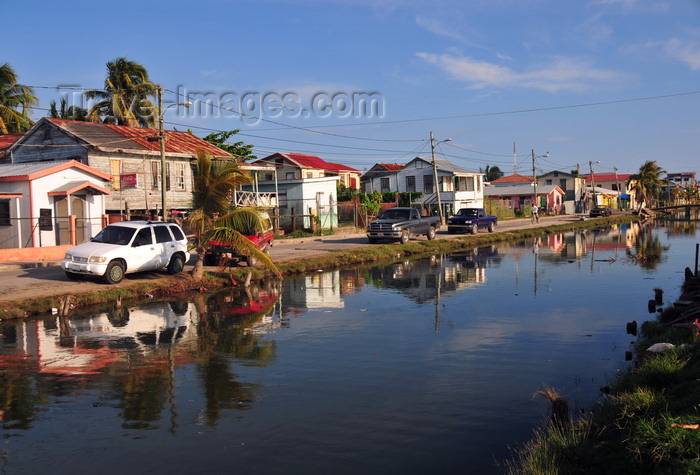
{"type": "Point", "coordinates": [646, 425]}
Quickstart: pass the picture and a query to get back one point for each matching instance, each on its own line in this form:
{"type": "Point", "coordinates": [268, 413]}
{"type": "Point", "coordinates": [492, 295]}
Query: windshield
{"type": "Point", "coordinates": [467, 212]}
{"type": "Point", "coordinates": [115, 235]}
{"type": "Point", "coordinates": [396, 214]}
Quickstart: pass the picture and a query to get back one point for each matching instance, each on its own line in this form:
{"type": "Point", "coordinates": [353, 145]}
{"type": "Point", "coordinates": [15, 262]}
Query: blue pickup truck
{"type": "Point", "coordinates": [471, 220]}
{"type": "Point", "coordinates": [399, 224]}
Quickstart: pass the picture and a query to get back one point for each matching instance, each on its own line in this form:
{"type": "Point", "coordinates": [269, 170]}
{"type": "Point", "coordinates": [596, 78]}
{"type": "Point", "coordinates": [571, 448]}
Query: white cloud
{"type": "Point", "coordinates": [437, 27]}
{"type": "Point", "coordinates": [560, 74]}
{"type": "Point", "coordinates": [687, 52]}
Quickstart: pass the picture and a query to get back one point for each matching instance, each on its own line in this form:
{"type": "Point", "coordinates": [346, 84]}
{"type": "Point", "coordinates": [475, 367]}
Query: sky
{"type": "Point", "coordinates": [598, 85]}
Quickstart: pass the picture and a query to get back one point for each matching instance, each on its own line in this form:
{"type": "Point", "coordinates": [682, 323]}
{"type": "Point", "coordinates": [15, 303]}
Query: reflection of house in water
{"type": "Point", "coordinates": [313, 291]}
{"type": "Point", "coordinates": [423, 279]}
{"type": "Point", "coordinates": [64, 345]}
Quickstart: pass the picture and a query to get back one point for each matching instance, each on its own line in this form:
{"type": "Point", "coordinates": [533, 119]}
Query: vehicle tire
{"type": "Point", "coordinates": [474, 229]}
{"type": "Point", "coordinates": [114, 273]}
{"type": "Point", "coordinates": [491, 227]}
{"type": "Point", "coordinates": [404, 236]}
{"type": "Point", "coordinates": [74, 276]}
{"type": "Point", "coordinates": [176, 264]}
{"type": "Point", "coordinates": [252, 261]}
{"type": "Point", "coordinates": [373, 240]}
{"type": "Point", "coordinates": [431, 233]}
{"type": "Point", "coordinates": [210, 259]}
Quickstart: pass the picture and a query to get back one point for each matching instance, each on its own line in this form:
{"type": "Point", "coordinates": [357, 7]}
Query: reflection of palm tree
{"type": "Point", "coordinates": [125, 98]}
{"type": "Point", "coordinates": [648, 249]}
{"type": "Point", "coordinates": [15, 101]}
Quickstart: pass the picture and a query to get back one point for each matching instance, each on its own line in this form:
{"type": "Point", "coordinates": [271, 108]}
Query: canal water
{"type": "Point", "coordinates": [420, 366]}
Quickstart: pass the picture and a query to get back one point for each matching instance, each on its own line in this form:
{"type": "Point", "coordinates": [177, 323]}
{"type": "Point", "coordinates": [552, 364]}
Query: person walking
{"type": "Point", "coordinates": [535, 213]}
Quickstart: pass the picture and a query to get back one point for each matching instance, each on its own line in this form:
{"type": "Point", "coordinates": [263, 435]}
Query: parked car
{"type": "Point", "coordinates": [126, 247]}
{"type": "Point", "coordinates": [399, 224]}
{"type": "Point", "coordinates": [600, 211]}
{"type": "Point", "coordinates": [471, 220]}
{"type": "Point", "coordinates": [217, 251]}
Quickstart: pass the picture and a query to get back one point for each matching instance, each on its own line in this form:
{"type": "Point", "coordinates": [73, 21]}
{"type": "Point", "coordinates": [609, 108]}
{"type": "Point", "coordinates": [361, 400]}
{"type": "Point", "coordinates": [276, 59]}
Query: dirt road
{"type": "Point", "coordinates": [33, 280]}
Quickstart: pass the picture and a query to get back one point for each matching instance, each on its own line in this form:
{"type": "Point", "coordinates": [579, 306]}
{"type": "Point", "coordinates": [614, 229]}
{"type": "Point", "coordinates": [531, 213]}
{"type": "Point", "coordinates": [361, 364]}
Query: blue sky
{"type": "Point", "coordinates": [609, 81]}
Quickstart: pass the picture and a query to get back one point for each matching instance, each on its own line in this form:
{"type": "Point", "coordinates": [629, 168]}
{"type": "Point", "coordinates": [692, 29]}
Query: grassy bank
{"type": "Point", "coordinates": [383, 253]}
{"type": "Point", "coordinates": [648, 423]}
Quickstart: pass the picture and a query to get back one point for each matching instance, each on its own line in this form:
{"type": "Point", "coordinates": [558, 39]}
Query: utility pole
{"type": "Point", "coordinates": [435, 177]}
{"type": "Point", "coordinates": [590, 165]}
{"type": "Point", "coordinates": [161, 136]}
{"type": "Point", "coordinates": [534, 177]}
{"type": "Point", "coordinates": [617, 183]}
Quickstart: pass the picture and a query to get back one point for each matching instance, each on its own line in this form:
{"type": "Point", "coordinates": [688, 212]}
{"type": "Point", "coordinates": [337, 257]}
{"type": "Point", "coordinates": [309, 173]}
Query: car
{"type": "Point", "coordinates": [126, 247]}
{"type": "Point", "coordinates": [600, 211]}
{"type": "Point", "coordinates": [219, 253]}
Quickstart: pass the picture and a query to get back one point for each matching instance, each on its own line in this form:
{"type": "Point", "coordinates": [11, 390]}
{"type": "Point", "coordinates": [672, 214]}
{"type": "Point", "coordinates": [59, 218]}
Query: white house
{"type": "Point", "coordinates": [459, 188]}
{"type": "Point", "coordinates": [50, 203]}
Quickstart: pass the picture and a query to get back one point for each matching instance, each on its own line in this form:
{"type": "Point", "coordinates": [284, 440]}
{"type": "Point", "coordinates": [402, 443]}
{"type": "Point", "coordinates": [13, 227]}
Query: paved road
{"type": "Point", "coordinates": [32, 280]}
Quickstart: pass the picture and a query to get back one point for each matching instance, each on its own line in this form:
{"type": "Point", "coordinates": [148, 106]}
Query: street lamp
{"type": "Point", "coordinates": [161, 139]}
{"type": "Point", "coordinates": [435, 175]}
{"type": "Point", "coordinates": [534, 172]}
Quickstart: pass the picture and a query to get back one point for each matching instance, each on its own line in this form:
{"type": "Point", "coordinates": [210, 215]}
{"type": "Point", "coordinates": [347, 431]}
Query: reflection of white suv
{"type": "Point", "coordinates": [129, 246]}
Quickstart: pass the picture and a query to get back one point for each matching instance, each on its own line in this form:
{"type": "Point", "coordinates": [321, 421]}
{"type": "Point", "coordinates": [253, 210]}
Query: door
{"type": "Point", "coordinates": [143, 254]}
{"type": "Point", "coordinates": [62, 231]}
{"type": "Point", "coordinates": [77, 208]}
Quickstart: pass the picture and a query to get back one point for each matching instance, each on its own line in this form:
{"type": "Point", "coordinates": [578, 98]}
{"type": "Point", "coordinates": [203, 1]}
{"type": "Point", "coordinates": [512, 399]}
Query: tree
{"type": "Point", "coordinates": [212, 216]}
{"type": "Point", "coordinates": [492, 173]}
{"type": "Point", "coordinates": [125, 98]}
{"type": "Point", "coordinates": [15, 101]}
{"type": "Point", "coordinates": [67, 113]}
{"type": "Point", "coordinates": [646, 184]}
{"type": "Point", "coordinates": [239, 150]}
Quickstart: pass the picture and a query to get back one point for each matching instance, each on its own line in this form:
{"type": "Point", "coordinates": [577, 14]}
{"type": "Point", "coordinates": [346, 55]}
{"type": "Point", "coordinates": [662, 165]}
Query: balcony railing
{"type": "Point", "coordinates": [251, 198]}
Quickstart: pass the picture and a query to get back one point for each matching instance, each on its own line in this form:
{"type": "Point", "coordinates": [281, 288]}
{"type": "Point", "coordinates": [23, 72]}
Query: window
{"type": "Point", "coordinates": [562, 184]}
{"type": "Point", "coordinates": [410, 183]}
{"type": "Point", "coordinates": [428, 183]}
{"type": "Point", "coordinates": [177, 232]}
{"type": "Point", "coordinates": [548, 182]}
{"type": "Point", "coordinates": [162, 234]}
{"type": "Point", "coordinates": [385, 185]}
{"type": "Point", "coordinates": [115, 171]}
{"type": "Point", "coordinates": [5, 213]}
{"type": "Point", "coordinates": [470, 183]}
{"type": "Point", "coordinates": [289, 175]}
{"type": "Point", "coordinates": [419, 164]}
{"type": "Point", "coordinates": [269, 176]}
{"type": "Point", "coordinates": [478, 183]}
{"type": "Point", "coordinates": [143, 238]}
{"type": "Point", "coordinates": [179, 176]}
{"type": "Point", "coordinates": [309, 174]}
{"type": "Point", "coordinates": [282, 198]}
{"type": "Point", "coordinates": [155, 174]}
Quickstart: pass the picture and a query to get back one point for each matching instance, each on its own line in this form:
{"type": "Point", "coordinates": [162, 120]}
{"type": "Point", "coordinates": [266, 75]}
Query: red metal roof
{"type": "Point", "coordinates": [312, 161]}
{"type": "Point", "coordinates": [390, 167]}
{"type": "Point", "coordinates": [175, 141]}
{"type": "Point", "coordinates": [621, 177]}
{"type": "Point", "coordinates": [6, 141]}
{"type": "Point", "coordinates": [513, 179]}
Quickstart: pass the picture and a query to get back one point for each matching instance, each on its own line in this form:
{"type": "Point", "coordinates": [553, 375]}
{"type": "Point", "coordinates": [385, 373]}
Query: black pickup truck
{"type": "Point", "coordinates": [470, 220]}
{"type": "Point", "coordinates": [399, 224]}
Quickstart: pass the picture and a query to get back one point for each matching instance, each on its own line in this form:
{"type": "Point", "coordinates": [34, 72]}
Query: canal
{"type": "Point", "coordinates": [421, 366]}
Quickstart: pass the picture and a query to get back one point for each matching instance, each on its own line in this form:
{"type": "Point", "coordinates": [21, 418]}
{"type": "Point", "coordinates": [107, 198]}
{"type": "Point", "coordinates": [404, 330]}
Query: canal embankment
{"type": "Point", "coordinates": [32, 288]}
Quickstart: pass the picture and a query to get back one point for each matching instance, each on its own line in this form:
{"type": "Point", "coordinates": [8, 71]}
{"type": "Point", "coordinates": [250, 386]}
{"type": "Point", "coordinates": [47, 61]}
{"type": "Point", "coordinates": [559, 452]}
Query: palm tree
{"type": "Point", "coordinates": [212, 216]}
{"type": "Point", "coordinates": [492, 173]}
{"type": "Point", "coordinates": [125, 98]}
{"type": "Point", "coordinates": [68, 113]}
{"type": "Point", "coordinates": [646, 184]}
{"type": "Point", "coordinates": [15, 100]}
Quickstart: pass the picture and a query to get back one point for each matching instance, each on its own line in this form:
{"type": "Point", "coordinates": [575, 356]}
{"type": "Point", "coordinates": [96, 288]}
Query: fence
{"type": "Point", "coordinates": [23, 233]}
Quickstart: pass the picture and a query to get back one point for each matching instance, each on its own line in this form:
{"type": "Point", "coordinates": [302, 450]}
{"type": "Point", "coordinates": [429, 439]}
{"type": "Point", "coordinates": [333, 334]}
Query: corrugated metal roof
{"type": "Point", "coordinates": [310, 161]}
{"type": "Point", "coordinates": [136, 138]}
{"type": "Point", "coordinates": [27, 168]}
{"type": "Point", "coordinates": [515, 178]}
{"type": "Point", "coordinates": [518, 190]}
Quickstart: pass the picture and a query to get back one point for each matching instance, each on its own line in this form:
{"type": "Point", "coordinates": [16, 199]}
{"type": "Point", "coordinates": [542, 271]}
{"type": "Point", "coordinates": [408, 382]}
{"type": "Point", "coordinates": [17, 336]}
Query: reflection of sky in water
{"type": "Point", "coordinates": [418, 367]}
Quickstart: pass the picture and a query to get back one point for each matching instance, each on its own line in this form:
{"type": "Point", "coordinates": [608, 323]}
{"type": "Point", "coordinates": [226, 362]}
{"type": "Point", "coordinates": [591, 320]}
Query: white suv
{"type": "Point", "coordinates": [129, 246]}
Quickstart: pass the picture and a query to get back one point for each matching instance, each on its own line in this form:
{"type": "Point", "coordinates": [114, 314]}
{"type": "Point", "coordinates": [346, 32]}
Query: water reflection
{"type": "Point", "coordinates": [132, 354]}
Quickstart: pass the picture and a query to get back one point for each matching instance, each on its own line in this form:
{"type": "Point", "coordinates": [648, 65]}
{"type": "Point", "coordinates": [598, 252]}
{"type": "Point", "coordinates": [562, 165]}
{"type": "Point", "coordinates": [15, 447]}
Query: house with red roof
{"type": "Point", "coordinates": [129, 155]}
{"type": "Point", "coordinates": [296, 166]}
{"type": "Point", "coordinates": [510, 180]}
{"type": "Point", "coordinates": [610, 189]}
{"type": "Point", "coordinates": [381, 177]}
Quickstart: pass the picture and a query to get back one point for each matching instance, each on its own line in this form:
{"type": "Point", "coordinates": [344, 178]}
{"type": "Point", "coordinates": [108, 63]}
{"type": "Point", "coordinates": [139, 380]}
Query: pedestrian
{"type": "Point", "coordinates": [535, 213]}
